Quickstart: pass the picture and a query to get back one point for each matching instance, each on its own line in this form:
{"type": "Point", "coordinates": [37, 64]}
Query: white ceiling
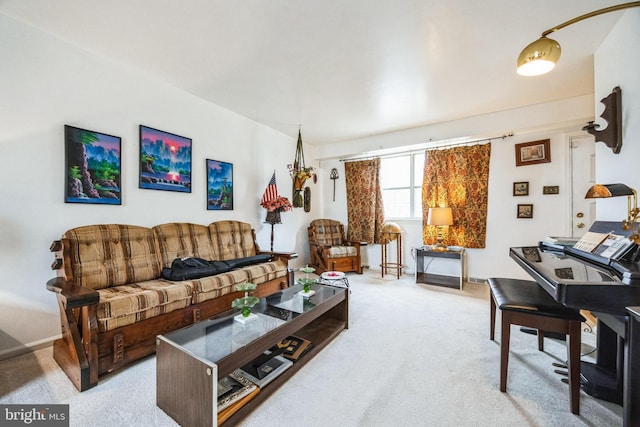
{"type": "Point", "coordinates": [340, 68]}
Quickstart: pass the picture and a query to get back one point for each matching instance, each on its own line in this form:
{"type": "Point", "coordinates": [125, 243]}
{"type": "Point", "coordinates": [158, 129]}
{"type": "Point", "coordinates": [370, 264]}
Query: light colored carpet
{"type": "Point", "coordinates": [414, 355]}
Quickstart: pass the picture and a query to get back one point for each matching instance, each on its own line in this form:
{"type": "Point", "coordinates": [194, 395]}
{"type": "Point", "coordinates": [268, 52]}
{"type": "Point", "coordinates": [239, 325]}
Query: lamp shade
{"type": "Point", "coordinates": [440, 216]}
{"type": "Point", "coordinates": [609, 190]}
{"type": "Point", "coordinates": [538, 57]}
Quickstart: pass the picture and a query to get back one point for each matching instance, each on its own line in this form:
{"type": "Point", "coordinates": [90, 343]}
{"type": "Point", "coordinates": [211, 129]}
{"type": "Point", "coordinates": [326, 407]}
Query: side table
{"type": "Point", "coordinates": [438, 279]}
{"type": "Point", "coordinates": [334, 278]}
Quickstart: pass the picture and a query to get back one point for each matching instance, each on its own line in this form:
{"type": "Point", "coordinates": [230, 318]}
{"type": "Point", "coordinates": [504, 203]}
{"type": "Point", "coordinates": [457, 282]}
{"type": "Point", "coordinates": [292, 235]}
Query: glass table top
{"type": "Point", "coordinates": [216, 338]}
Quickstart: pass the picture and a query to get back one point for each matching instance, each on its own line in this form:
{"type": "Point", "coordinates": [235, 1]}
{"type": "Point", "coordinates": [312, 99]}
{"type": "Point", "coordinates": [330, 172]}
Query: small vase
{"type": "Point", "coordinates": [273, 217]}
{"type": "Point", "coordinates": [298, 199]}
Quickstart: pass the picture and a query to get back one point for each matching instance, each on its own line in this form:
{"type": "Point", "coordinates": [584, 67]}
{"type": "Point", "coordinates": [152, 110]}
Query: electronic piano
{"type": "Point", "coordinates": [606, 287]}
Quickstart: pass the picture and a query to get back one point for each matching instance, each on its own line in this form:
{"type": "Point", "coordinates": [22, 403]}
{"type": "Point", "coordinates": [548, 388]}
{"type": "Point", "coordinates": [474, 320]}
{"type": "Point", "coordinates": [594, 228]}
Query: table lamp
{"type": "Point", "coordinates": [440, 217]}
{"type": "Point", "coordinates": [633, 213]}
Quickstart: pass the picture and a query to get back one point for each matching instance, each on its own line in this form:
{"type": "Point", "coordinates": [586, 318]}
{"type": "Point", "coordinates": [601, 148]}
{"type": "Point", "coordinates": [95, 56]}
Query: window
{"type": "Point", "coordinates": [401, 184]}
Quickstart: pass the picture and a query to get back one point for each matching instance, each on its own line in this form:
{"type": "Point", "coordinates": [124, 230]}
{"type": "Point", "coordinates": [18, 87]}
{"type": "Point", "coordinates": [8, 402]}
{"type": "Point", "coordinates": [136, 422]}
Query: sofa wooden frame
{"type": "Point", "coordinates": [84, 353]}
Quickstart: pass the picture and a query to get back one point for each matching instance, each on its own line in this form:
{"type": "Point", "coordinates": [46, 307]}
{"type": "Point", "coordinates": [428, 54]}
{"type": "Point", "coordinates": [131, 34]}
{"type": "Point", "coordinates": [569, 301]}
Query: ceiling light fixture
{"type": "Point", "coordinates": [541, 56]}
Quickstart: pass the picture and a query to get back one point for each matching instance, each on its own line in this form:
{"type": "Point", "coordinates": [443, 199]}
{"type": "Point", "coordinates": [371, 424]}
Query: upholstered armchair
{"type": "Point", "coordinates": [329, 249]}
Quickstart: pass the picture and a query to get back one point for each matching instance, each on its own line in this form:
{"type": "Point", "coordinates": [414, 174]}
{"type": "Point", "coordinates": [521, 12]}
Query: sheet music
{"type": "Point", "coordinates": [590, 241]}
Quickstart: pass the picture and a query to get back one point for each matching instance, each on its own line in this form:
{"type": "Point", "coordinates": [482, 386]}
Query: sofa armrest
{"type": "Point", "coordinates": [72, 295]}
{"type": "Point", "coordinates": [280, 255]}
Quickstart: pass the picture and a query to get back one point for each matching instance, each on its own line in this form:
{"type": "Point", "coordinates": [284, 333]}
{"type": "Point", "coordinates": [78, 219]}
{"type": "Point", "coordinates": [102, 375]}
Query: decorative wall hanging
{"type": "Point", "coordinates": [551, 189]}
{"type": "Point", "coordinates": [165, 161]}
{"type": "Point", "coordinates": [274, 204]}
{"type": "Point", "coordinates": [531, 153]}
{"type": "Point", "coordinates": [525, 211]}
{"type": "Point", "coordinates": [521, 188]}
{"type": "Point", "coordinates": [333, 177]}
{"type": "Point", "coordinates": [299, 174]}
{"type": "Point", "coordinates": [611, 136]}
{"type": "Point", "coordinates": [92, 167]}
{"type": "Point", "coordinates": [307, 199]}
{"type": "Point", "coordinates": [219, 185]}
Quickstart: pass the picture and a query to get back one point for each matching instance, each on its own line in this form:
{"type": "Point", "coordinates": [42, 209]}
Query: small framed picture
{"type": "Point", "coordinates": [165, 161]}
{"type": "Point", "coordinates": [551, 189]}
{"type": "Point", "coordinates": [521, 188]}
{"type": "Point", "coordinates": [531, 153]}
{"type": "Point", "coordinates": [525, 211]}
{"type": "Point", "coordinates": [219, 186]}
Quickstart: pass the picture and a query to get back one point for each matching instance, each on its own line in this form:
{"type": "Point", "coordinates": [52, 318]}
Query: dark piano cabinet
{"type": "Point", "coordinates": [606, 288]}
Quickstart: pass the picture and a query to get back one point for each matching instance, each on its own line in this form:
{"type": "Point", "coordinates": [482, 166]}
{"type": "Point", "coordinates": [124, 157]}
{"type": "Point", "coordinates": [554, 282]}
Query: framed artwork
{"type": "Point", "coordinates": [521, 188]}
{"type": "Point", "coordinates": [551, 189]}
{"type": "Point", "coordinates": [219, 186]}
{"type": "Point", "coordinates": [531, 153]}
{"type": "Point", "coordinates": [92, 167]}
{"type": "Point", "coordinates": [165, 161]}
{"type": "Point", "coordinates": [525, 211]}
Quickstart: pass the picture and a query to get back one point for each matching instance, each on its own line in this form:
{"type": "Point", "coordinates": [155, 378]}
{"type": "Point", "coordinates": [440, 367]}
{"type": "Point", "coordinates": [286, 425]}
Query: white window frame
{"type": "Point", "coordinates": [412, 186]}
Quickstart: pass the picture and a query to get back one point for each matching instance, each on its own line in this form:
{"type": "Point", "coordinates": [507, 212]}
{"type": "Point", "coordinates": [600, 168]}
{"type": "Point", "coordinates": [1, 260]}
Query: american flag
{"type": "Point", "coordinates": [271, 192]}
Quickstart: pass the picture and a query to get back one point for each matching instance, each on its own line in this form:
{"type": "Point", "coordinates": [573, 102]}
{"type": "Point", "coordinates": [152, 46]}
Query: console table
{"type": "Point", "coordinates": [190, 361]}
{"type": "Point", "coordinates": [438, 279]}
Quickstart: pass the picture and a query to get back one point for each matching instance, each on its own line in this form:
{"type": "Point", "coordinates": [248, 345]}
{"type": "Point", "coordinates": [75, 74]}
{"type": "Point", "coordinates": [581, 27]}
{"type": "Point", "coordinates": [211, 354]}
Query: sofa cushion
{"type": "Point", "coordinates": [102, 256]}
{"type": "Point", "coordinates": [123, 305]}
{"type": "Point", "coordinates": [260, 273]}
{"type": "Point", "coordinates": [327, 232]}
{"type": "Point", "coordinates": [342, 251]}
{"type": "Point", "coordinates": [231, 240]}
{"type": "Point", "coordinates": [181, 239]}
{"type": "Point", "coordinates": [211, 287]}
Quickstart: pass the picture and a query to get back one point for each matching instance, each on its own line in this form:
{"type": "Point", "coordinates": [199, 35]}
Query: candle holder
{"type": "Point", "coordinates": [245, 303]}
{"type": "Point", "coordinates": [306, 282]}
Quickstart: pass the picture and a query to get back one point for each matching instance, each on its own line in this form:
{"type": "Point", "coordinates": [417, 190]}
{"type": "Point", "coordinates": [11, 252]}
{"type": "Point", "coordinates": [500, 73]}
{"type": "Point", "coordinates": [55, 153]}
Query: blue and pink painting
{"type": "Point", "coordinates": [92, 167]}
{"type": "Point", "coordinates": [219, 185]}
{"type": "Point", "coordinates": [165, 161]}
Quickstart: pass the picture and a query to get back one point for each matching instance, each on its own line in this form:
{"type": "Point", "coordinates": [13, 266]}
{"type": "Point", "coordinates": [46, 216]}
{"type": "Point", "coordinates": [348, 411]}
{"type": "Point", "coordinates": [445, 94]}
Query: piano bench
{"type": "Point", "coordinates": [525, 303]}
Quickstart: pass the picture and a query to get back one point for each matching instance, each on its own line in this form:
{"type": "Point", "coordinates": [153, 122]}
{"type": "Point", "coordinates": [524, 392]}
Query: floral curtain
{"type": "Point", "coordinates": [364, 200]}
{"type": "Point", "coordinates": [458, 178]}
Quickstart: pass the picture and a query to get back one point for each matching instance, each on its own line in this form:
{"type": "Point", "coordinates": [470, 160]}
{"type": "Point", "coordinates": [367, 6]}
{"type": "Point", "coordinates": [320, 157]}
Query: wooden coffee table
{"type": "Point", "coordinates": [190, 361]}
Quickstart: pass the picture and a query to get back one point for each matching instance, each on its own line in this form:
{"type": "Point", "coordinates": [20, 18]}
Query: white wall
{"type": "Point", "coordinates": [617, 62]}
{"type": "Point", "coordinates": [47, 83]}
{"type": "Point", "coordinates": [551, 214]}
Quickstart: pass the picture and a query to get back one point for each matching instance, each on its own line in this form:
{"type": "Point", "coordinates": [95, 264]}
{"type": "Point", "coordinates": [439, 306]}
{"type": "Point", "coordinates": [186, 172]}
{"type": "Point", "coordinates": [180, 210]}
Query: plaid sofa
{"type": "Point", "coordinates": [113, 300]}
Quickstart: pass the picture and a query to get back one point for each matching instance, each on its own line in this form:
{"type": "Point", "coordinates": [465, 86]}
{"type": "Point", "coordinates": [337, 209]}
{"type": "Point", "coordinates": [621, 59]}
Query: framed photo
{"type": "Point", "coordinates": [531, 153]}
{"type": "Point", "coordinates": [521, 188]}
{"type": "Point", "coordinates": [92, 167]}
{"type": "Point", "coordinates": [219, 186]}
{"type": "Point", "coordinates": [551, 189]}
{"type": "Point", "coordinates": [165, 161]}
{"type": "Point", "coordinates": [525, 211]}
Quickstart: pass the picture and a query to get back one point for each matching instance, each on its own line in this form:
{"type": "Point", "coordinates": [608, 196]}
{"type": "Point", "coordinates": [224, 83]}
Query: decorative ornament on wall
{"type": "Point", "coordinates": [333, 176]}
{"type": "Point", "coordinates": [299, 174]}
{"type": "Point", "coordinates": [611, 136]}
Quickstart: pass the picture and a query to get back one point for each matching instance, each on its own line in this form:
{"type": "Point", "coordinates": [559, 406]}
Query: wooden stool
{"type": "Point", "coordinates": [525, 303]}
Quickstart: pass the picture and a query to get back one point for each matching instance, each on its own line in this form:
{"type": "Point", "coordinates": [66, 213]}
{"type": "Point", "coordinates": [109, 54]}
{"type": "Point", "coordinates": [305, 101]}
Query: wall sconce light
{"type": "Point", "coordinates": [440, 217]}
{"type": "Point", "coordinates": [616, 190]}
{"type": "Point", "coordinates": [541, 56]}
{"type": "Point", "coordinates": [333, 176]}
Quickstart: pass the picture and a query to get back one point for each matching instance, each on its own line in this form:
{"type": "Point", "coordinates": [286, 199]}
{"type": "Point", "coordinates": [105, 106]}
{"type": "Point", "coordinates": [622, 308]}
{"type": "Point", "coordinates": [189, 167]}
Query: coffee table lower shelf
{"type": "Point", "coordinates": [186, 385]}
